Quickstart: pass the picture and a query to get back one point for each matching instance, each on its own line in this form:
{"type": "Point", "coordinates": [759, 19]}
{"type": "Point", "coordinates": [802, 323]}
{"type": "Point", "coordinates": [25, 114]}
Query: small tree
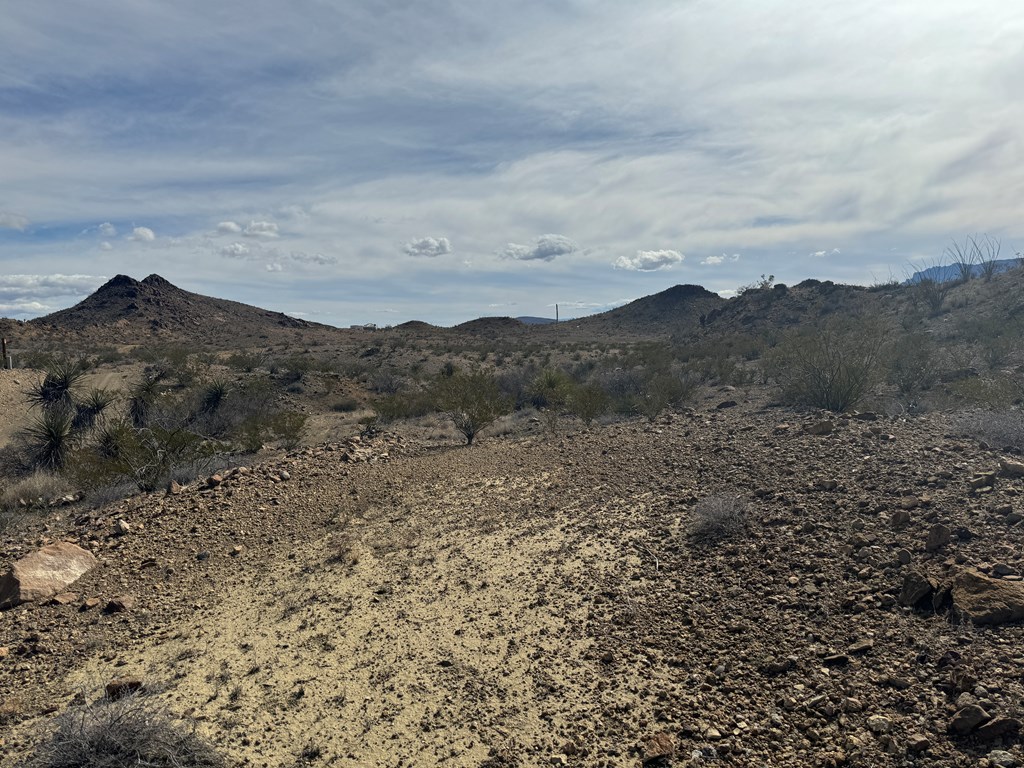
{"type": "Point", "coordinates": [473, 401]}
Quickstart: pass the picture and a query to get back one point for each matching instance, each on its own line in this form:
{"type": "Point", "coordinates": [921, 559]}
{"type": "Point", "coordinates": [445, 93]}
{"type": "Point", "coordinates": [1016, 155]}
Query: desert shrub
{"type": "Point", "coordinates": [345, 405]}
{"type": "Point", "coordinates": [551, 388]}
{"type": "Point", "coordinates": [660, 391]}
{"type": "Point", "coordinates": [588, 402]}
{"type": "Point", "coordinates": [132, 731]}
{"type": "Point", "coordinates": [1001, 429]}
{"type": "Point", "coordinates": [471, 400]}
{"type": "Point", "coordinates": [91, 408]}
{"type": "Point", "coordinates": [913, 364]}
{"type": "Point", "coordinates": [832, 367]}
{"type": "Point", "coordinates": [246, 361]}
{"type": "Point", "coordinates": [717, 517]}
{"type": "Point", "coordinates": [403, 405]}
{"type": "Point", "coordinates": [145, 457]}
{"type": "Point", "coordinates": [992, 392]}
{"type": "Point", "coordinates": [30, 494]}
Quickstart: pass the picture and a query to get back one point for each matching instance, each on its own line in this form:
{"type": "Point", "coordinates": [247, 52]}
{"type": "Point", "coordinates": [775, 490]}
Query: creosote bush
{"type": "Point", "coordinates": [128, 732]}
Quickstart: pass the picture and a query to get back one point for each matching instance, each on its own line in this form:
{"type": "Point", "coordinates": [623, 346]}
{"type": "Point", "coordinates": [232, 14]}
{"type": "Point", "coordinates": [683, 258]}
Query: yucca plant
{"type": "Point", "coordinates": [50, 438]}
{"type": "Point", "coordinates": [92, 407]}
{"type": "Point", "coordinates": [57, 389]}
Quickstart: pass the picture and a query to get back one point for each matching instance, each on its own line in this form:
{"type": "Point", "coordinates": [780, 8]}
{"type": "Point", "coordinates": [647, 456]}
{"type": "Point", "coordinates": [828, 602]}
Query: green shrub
{"type": "Point", "coordinates": [50, 438]}
{"type": "Point", "coordinates": [832, 367]}
{"type": "Point", "coordinates": [588, 402]}
{"type": "Point", "coordinates": [472, 401]}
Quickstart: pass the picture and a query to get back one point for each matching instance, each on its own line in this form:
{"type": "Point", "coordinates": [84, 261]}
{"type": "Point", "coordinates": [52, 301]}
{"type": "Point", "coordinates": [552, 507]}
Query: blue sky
{"type": "Point", "coordinates": [374, 161]}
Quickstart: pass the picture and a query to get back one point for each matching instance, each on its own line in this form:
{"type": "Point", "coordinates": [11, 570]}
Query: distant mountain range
{"type": "Point", "coordinates": [943, 273]}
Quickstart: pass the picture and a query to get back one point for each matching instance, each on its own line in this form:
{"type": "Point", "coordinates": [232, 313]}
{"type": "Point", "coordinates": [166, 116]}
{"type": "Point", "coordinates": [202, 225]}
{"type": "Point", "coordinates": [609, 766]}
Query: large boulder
{"type": "Point", "coordinates": [44, 573]}
{"type": "Point", "coordinates": [984, 600]}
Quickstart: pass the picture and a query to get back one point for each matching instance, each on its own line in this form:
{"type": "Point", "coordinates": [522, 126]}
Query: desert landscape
{"type": "Point", "coordinates": [661, 545]}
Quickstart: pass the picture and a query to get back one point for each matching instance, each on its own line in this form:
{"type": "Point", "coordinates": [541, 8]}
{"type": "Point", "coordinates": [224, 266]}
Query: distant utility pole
{"type": "Point", "coordinates": [5, 360]}
{"type": "Point", "coordinates": [556, 313]}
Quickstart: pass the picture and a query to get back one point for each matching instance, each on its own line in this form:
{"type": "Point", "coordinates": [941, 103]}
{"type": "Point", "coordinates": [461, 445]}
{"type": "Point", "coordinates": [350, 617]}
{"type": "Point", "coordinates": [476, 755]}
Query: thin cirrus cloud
{"type": "Point", "coordinates": [543, 248]}
{"type": "Point", "coordinates": [429, 247]}
{"type": "Point", "coordinates": [650, 261]}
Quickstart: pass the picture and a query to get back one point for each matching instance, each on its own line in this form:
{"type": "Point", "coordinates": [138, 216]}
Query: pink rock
{"type": "Point", "coordinates": [45, 573]}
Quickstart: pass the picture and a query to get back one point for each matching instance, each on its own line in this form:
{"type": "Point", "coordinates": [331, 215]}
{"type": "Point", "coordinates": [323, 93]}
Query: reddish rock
{"type": "Point", "coordinates": [44, 573]}
{"type": "Point", "coordinates": [659, 748]}
{"type": "Point", "coordinates": [987, 601]}
{"type": "Point", "coordinates": [120, 604]}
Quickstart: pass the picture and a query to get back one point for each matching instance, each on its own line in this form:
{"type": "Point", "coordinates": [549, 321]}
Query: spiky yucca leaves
{"type": "Point", "coordinates": [50, 438]}
{"type": "Point", "coordinates": [57, 389]}
{"type": "Point", "coordinates": [92, 407]}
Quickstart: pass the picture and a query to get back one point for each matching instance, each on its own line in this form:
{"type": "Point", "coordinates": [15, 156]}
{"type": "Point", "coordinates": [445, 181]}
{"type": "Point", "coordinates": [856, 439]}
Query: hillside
{"type": "Point", "coordinates": [125, 310]}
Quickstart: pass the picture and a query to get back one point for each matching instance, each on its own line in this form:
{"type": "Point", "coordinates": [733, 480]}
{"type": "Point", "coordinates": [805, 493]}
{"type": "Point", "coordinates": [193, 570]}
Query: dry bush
{"type": "Point", "coordinates": [30, 494]}
{"type": "Point", "coordinates": [1000, 429]}
{"type": "Point", "coordinates": [135, 730]}
{"type": "Point", "coordinates": [717, 517]}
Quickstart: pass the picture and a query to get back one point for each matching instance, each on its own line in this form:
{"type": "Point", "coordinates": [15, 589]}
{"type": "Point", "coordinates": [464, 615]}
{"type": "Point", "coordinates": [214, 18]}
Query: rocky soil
{"type": "Point", "coordinates": [548, 600]}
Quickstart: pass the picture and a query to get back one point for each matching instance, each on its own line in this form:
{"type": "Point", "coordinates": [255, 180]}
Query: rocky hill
{"type": "Point", "coordinates": [125, 310]}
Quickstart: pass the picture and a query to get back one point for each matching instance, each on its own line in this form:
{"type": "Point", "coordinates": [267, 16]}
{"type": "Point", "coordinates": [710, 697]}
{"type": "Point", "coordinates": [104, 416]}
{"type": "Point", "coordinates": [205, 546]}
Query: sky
{"type": "Point", "coordinates": [377, 161]}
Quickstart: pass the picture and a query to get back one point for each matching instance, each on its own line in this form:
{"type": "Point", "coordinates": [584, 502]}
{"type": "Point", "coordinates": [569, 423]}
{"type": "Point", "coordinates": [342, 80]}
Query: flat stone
{"type": "Point", "coordinates": [659, 747]}
{"type": "Point", "coordinates": [120, 604]}
{"type": "Point", "coordinates": [997, 728]}
{"type": "Point", "coordinates": [916, 587]}
{"type": "Point", "coordinates": [1008, 468]}
{"type": "Point", "coordinates": [984, 600]}
{"type": "Point", "coordinates": [46, 572]}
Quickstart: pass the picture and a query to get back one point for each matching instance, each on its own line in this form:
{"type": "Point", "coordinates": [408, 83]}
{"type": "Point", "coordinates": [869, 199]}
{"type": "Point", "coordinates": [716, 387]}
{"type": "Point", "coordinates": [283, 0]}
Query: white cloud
{"type": "Point", "coordinates": [649, 261]}
{"type": "Point", "coordinates": [229, 228]}
{"type": "Point", "coordinates": [106, 246]}
{"type": "Point", "coordinates": [143, 235]}
{"type": "Point", "coordinates": [430, 247]}
{"type": "Point", "coordinates": [235, 251]}
{"type": "Point", "coordinates": [106, 229]}
{"type": "Point", "coordinates": [30, 295]}
{"type": "Point", "coordinates": [13, 221]}
{"type": "Point", "coordinates": [266, 229]}
{"type": "Point", "coordinates": [712, 261]}
{"type": "Point", "coordinates": [274, 267]}
{"type": "Point", "coordinates": [544, 248]}
{"type": "Point", "coordinates": [823, 254]}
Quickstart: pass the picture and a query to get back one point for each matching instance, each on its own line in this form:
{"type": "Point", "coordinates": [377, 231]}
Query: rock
{"type": "Point", "coordinates": [917, 587]}
{"type": "Point", "coordinates": [120, 687]}
{"type": "Point", "coordinates": [879, 724]}
{"type": "Point", "coordinates": [284, 475]}
{"type": "Point", "coordinates": [1000, 758]}
{"type": "Point", "coordinates": [174, 488]}
{"type": "Point", "coordinates": [987, 601]}
{"type": "Point", "coordinates": [900, 519]}
{"type": "Point", "coordinates": [90, 603]}
{"type": "Point", "coordinates": [120, 604]}
{"type": "Point", "coordinates": [836, 660]}
{"type": "Point", "coordinates": [998, 727]}
{"type": "Point", "coordinates": [214, 481]}
{"type": "Point", "coordinates": [660, 747]}
{"type": "Point", "coordinates": [64, 598]}
{"type": "Point", "coordinates": [4, 651]}
{"type": "Point", "coordinates": [825, 427]}
{"type": "Point", "coordinates": [860, 647]}
{"type": "Point", "coordinates": [45, 573]}
{"type": "Point", "coordinates": [918, 742]}
{"type": "Point", "coordinates": [904, 557]}
{"type": "Point", "coordinates": [967, 719]}
{"type": "Point", "coordinates": [910, 502]}
{"type": "Point", "coordinates": [938, 536]}
{"type": "Point", "coordinates": [121, 527]}
{"type": "Point", "coordinates": [726, 404]}
{"type": "Point", "coordinates": [1008, 468]}
{"type": "Point", "coordinates": [237, 550]}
